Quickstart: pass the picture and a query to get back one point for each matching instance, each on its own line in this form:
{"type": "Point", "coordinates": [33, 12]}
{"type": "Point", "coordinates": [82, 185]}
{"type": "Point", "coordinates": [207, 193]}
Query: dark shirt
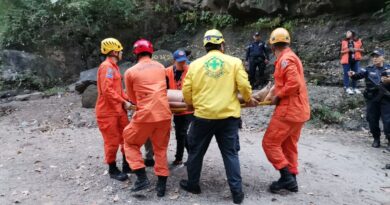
{"type": "Point", "coordinates": [257, 50]}
{"type": "Point", "coordinates": [372, 76]}
{"type": "Point", "coordinates": [350, 53]}
{"type": "Point", "coordinates": [177, 73]}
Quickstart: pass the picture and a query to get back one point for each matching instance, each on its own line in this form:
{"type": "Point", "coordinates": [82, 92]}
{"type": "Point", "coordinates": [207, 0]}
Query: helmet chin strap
{"type": "Point", "coordinates": [273, 49]}
{"type": "Point", "coordinates": [112, 55]}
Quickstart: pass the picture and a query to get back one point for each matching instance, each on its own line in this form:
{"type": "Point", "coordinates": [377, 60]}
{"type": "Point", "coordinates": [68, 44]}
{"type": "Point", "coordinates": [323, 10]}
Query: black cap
{"type": "Point", "coordinates": [378, 52]}
{"type": "Point", "coordinates": [257, 34]}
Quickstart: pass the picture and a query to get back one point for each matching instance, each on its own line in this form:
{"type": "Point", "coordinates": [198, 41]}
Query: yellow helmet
{"type": "Point", "coordinates": [279, 35]}
{"type": "Point", "coordinates": [213, 36]}
{"type": "Point", "coordinates": [110, 44]}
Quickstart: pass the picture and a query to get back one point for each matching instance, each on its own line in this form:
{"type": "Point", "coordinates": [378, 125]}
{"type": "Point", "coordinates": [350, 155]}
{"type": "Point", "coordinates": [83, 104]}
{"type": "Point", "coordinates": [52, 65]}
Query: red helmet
{"type": "Point", "coordinates": [142, 46]}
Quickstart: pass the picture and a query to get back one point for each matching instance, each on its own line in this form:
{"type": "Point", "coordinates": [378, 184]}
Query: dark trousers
{"type": "Point", "coordinates": [255, 63]}
{"type": "Point", "coordinates": [182, 122]}
{"type": "Point", "coordinates": [377, 109]}
{"type": "Point", "coordinates": [226, 133]}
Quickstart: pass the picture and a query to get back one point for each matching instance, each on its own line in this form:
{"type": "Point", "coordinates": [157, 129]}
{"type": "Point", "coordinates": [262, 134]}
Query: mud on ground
{"type": "Point", "coordinates": [52, 153]}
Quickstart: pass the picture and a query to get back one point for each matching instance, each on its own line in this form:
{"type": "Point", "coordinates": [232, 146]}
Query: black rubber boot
{"type": "Point", "coordinates": [125, 166]}
{"type": "Point", "coordinates": [161, 186]}
{"type": "Point", "coordinates": [192, 189]}
{"type": "Point", "coordinates": [142, 181]}
{"type": "Point", "coordinates": [149, 162]}
{"type": "Point", "coordinates": [238, 197]}
{"type": "Point", "coordinates": [376, 143]}
{"type": "Point", "coordinates": [115, 173]}
{"type": "Point", "coordinates": [286, 181]}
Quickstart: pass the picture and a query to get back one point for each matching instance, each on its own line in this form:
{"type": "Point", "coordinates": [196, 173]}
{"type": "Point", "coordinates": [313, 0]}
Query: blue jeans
{"type": "Point", "coordinates": [199, 138]}
{"type": "Point", "coordinates": [354, 66]}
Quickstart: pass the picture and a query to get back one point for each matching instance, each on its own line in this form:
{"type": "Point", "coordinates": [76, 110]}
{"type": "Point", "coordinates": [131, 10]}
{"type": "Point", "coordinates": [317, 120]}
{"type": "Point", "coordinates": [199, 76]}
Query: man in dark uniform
{"type": "Point", "coordinates": [377, 94]}
{"type": "Point", "coordinates": [257, 57]}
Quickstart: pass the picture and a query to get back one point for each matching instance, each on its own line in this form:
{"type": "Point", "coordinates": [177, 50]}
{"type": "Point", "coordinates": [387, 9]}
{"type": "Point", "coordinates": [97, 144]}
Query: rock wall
{"type": "Point", "coordinates": [18, 67]}
{"type": "Point", "coordinates": [316, 40]}
{"type": "Point", "coordinates": [258, 8]}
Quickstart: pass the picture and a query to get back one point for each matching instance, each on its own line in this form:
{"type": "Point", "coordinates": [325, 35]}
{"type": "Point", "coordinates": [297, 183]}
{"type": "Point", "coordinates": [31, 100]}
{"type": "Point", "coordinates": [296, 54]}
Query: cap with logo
{"type": "Point", "coordinates": [180, 56]}
{"type": "Point", "coordinates": [378, 52]}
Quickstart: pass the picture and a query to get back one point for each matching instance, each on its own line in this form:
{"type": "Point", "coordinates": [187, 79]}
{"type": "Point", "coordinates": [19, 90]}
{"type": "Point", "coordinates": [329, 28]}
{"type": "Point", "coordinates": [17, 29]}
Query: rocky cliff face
{"type": "Point", "coordinates": [316, 28]}
{"type": "Point", "coordinates": [316, 40]}
{"type": "Point", "coordinates": [258, 8]}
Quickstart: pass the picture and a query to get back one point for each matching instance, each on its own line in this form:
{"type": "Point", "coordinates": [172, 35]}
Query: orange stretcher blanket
{"type": "Point", "coordinates": [177, 104]}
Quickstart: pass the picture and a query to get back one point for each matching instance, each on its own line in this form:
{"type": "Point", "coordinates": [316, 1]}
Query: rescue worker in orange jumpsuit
{"type": "Point", "coordinates": [291, 112]}
{"type": "Point", "coordinates": [147, 89]}
{"type": "Point", "coordinates": [175, 77]}
{"type": "Point", "coordinates": [111, 107]}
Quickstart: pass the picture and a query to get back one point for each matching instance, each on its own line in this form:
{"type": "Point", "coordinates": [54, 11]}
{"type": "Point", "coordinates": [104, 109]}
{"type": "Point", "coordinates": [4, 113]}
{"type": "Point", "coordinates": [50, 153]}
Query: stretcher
{"type": "Point", "coordinates": [176, 109]}
{"type": "Point", "coordinates": [177, 104]}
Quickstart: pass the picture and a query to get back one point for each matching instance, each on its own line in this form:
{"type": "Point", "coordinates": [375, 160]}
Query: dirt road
{"type": "Point", "coordinates": [51, 153]}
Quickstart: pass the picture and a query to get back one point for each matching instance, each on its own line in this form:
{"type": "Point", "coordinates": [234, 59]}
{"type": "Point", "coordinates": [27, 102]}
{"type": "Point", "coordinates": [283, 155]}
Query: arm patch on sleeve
{"type": "Point", "coordinates": [110, 73]}
{"type": "Point", "coordinates": [284, 64]}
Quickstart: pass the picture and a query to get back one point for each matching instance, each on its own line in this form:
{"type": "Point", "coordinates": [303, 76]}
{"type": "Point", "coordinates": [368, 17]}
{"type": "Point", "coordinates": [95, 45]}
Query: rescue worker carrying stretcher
{"type": "Point", "coordinates": [210, 87]}
{"type": "Point", "coordinates": [175, 77]}
{"type": "Point", "coordinates": [280, 142]}
{"type": "Point", "coordinates": [147, 90]}
{"type": "Point", "coordinates": [111, 107]}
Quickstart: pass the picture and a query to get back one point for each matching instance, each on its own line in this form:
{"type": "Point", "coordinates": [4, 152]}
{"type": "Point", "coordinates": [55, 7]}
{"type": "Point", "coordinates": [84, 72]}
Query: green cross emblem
{"type": "Point", "coordinates": [214, 64]}
{"type": "Point", "coordinates": [214, 67]}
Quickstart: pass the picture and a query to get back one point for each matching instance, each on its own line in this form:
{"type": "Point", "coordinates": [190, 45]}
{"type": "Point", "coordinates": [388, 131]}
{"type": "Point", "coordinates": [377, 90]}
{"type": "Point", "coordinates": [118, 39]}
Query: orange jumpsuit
{"type": "Point", "coordinates": [282, 135]}
{"type": "Point", "coordinates": [147, 89]}
{"type": "Point", "coordinates": [110, 114]}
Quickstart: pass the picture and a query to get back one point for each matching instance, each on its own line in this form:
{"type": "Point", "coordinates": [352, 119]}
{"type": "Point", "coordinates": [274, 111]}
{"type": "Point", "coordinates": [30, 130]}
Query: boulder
{"type": "Point", "coordinates": [89, 77]}
{"type": "Point", "coordinates": [358, 6]}
{"type": "Point", "coordinates": [214, 5]}
{"type": "Point", "coordinates": [309, 7]}
{"type": "Point", "coordinates": [316, 7]}
{"type": "Point", "coordinates": [8, 93]}
{"type": "Point", "coordinates": [186, 4]}
{"type": "Point", "coordinates": [89, 97]}
{"type": "Point", "coordinates": [164, 57]}
{"type": "Point", "coordinates": [254, 9]}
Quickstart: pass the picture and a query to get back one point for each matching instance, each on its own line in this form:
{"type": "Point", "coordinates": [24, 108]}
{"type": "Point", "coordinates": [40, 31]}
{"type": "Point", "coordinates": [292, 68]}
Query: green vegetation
{"type": "Point", "coordinates": [5, 6]}
{"type": "Point", "coordinates": [267, 23]}
{"type": "Point", "coordinates": [272, 23]}
{"type": "Point", "coordinates": [350, 104]}
{"type": "Point", "coordinates": [161, 8]}
{"type": "Point", "coordinates": [332, 114]}
{"type": "Point", "coordinates": [22, 81]}
{"type": "Point", "coordinates": [54, 91]}
{"type": "Point", "coordinates": [387, 9]}
{"type": "Point", "coordinates": [40, 23]}
{"type": "Point", "coordinates": [325, 114]}
{"type": "Point", "coordinates": [193, 19]}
